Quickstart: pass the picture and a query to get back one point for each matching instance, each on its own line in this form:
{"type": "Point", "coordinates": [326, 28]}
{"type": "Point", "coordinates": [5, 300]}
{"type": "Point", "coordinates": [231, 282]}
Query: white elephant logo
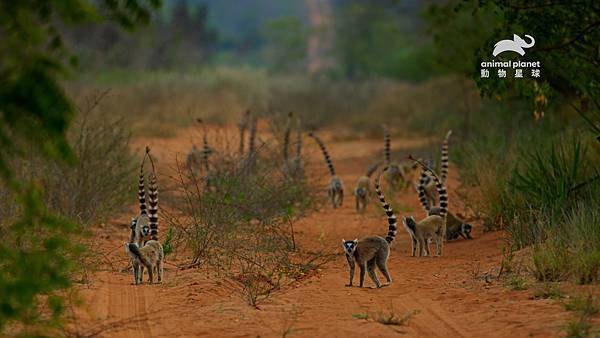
{"type": "Point", "coordinates": [515, 45]}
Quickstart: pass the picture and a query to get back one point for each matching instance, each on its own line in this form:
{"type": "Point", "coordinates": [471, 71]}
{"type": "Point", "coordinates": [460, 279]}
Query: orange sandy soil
{"type": "Point", "coordinates": [449, 293]}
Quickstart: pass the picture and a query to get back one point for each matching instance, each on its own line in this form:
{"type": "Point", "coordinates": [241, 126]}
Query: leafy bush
{"type": "Point", "coordinates": [241, 223]}
{"type": "Point", "coordinates": [97, 185]}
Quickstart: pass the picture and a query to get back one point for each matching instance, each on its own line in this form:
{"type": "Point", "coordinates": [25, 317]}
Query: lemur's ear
{"type": "Point", "coordinates": [356, 240]}
{"type": "Point", "coordinates": [343, 241]}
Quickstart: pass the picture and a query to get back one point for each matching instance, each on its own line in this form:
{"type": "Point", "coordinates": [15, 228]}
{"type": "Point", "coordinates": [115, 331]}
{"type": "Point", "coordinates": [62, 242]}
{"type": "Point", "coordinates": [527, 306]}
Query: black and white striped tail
{"type": "Point", "coordinates": [441, 189]}
{"type": "Point", "coordinates": [153, 210]}
{"type": "Point", "coordinates": [387, 152]}
{"type": "Point", "coordinates": [142, 191]}
{"type": "Point", "coordinates": [442, 193]}
{"type": "Point", "coordinates": [421, 190]}
{"type": "Point", "coordinates": [392, 222]}
{"type": "Point", "coordinates": [325, 153]}
{"type": "Point", "coordinates": [444, 162]}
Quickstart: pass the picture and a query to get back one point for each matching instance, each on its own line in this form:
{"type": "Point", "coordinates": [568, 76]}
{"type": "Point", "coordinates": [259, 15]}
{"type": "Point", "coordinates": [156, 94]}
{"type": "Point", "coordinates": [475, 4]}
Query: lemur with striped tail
{"type": "Point", "coordinates": [455, 226]}
{"type": "Point", "coordinates": [335, 189]}
{"type": "Point", "coordinates": [372, 250]}
{"type": "Point", "coordinates": [362, 191]}
{"type": "Point", "coordinates": [394, 175]}
{"type": "Point", "coordinates": [150, 254]}
{"type": "Point", "coordinates": [140, 224]}
{"type": "Point", "coordinates": [432, 226]}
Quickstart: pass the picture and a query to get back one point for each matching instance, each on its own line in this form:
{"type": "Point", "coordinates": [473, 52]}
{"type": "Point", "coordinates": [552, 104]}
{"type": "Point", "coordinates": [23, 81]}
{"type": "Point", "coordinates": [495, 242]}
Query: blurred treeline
{"type": "Point", "coordinates": [353, 39]}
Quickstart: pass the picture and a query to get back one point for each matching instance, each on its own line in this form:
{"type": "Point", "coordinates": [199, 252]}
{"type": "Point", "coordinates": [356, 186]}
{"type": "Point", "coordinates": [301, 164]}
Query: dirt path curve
{"type": "Point", "coordinates": [447, 294]}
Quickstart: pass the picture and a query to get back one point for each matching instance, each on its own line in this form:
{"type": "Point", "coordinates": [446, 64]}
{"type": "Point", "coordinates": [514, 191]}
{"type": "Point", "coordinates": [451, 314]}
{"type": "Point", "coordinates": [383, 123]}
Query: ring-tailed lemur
{"type": "Point", "coordinates": [372, 250]}
{"type": "Point", "coordinates": [144, 247]}
{"type": "Point", "coordinates": [432, 226]}
{"type": "Point", "coordinates": [140, 224]}
{"type": "Point", "coordinates": [335, 189]}
{"type": "Point", "coordinates": [151, 256]}
{"type": "Point", "coordinates": [363, 188]}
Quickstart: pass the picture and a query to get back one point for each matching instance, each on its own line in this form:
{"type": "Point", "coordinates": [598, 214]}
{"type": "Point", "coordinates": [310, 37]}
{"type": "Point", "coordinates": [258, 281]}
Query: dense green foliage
{"type": "Point", "coordinates": [538, 173]}
{"type": "Point", "coordinates": [36, 251]}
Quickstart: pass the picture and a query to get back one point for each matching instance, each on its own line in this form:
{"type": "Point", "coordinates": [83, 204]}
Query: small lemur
{"type": "Point", "coordinates": [143, 247]}
{"type": "Point", "coordinates": [372, 250]}
{"type": "Point", "coordinates": [335, 189]}
{"type": "Point", "coordinates": [432, 226]}
{"type": "Point", "coordinates": [362, 191]}
{"type": "Point", "coordinates": [151, 256]}
{"type": "Point", "coordinates": [395, 175]}
{"type": "Point", "coordinates": [455, 227]}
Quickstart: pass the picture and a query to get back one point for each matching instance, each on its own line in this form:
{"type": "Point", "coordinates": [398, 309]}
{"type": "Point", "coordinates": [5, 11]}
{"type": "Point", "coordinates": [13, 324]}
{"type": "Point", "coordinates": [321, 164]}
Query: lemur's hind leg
{"type": "Point", "coordinates": [372, 274]}
{"type": "Point", "coordinates": [382, 265]}
{"type": "Point", "coordinates": [136, 273]}
{"type": "Point", "coordinates": [159, 270]}
{"type": "Point", "coordinates": [150, 269]}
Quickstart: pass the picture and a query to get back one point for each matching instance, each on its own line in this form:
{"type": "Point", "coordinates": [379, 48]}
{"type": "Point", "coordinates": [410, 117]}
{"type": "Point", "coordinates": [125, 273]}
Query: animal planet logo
{"type": "Point", "coordinates": [515, 45]}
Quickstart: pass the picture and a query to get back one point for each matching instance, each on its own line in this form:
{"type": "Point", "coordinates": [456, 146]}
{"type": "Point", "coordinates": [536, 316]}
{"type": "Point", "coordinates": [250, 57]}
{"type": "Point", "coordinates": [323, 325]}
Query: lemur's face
{"type": "Point", "coordinates": [145, 230]}
{"type": "Point", "coordinates": [349, 246]}
{"type": "Point", "coordinates": [361, 192]}
{"type": "Point", "coordinates": [466, 229]}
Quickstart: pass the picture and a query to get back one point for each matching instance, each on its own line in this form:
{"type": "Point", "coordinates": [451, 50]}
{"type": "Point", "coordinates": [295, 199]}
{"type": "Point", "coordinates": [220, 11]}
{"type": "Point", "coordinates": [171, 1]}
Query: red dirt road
{"type": "Point", "coordinates": [449, 293]}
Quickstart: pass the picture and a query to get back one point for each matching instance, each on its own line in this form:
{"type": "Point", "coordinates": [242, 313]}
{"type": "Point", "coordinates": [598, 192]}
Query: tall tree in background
{"type": "Point", "coordinates": [35, 251]}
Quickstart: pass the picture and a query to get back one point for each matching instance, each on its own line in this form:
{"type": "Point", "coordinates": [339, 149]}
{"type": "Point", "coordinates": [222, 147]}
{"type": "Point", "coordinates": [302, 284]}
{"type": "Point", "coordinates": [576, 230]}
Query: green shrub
{"type": "Point", "coordinates": [551, 261]}
{"type": "Point", "coordinates": [241, 224]}
{"type": "Point", "coordinates": [517, 283]}
{"type": "Point", "coordinates": [94, 189]}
